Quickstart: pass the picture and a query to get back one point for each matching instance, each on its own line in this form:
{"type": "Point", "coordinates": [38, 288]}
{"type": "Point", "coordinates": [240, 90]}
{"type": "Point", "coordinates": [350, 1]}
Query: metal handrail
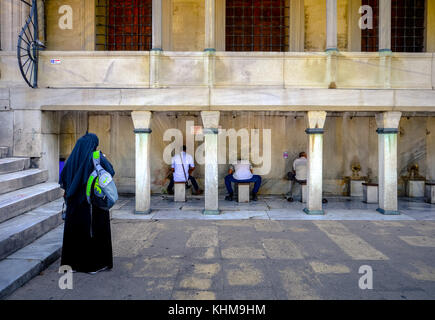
{"type": "Point", "coordinates": [28, 46]}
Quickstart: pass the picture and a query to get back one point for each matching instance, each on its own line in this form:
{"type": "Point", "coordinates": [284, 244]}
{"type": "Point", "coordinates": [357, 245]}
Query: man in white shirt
{"type": "Point", "coordinates": [182, 168]}
{"type": "Point", "coordinates": [300, 167]}
{"type": "Point", "coordinates": [241, 172]}
{"type": "Point", "coordinates": [299, 176]}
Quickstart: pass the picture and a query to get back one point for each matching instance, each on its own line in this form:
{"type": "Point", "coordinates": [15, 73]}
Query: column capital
{"type": "Point", "coordinates": [315, 120]}
{"type": "Point", "coordinates": [141, 120]}
{"type": "Point", "coordinates": [210, 119]}
{"type": "Point", "coordinates": [388, 120]}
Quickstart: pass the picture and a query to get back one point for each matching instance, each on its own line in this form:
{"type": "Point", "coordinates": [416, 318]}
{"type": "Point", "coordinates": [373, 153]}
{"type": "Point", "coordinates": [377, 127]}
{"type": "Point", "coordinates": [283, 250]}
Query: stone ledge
{"type": "Point", "coordinates": [223, 99]}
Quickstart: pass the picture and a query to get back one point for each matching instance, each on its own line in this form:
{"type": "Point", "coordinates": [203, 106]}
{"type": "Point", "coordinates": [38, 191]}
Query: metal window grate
{"type": "Point", "coordinates": [407, 26]}
{"type": "Point", "coordinates": [256, 25]}
{"type": "Point", "coordinates": [369, 37]}
{"type": "Point", "coordinates": [123, 25]}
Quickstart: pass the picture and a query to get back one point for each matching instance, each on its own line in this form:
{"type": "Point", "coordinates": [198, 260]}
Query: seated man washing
{"type": "Point", "coordinates": [182, 168]}
{"type": "Point", "coordinates": [241, 172]}
{"type": "Point", "coordinates": [299, 175]}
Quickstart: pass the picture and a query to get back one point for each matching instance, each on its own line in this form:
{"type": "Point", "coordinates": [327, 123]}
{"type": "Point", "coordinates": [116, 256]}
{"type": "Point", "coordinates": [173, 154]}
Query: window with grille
{"type": "Point", "coordinates": [369, 37]}
{"type": "Point", "coordinates": [407, 26]}
{"type": "Point", "coordinates": [256, 25]}
{"type": "Point", "coordinates": [123, 25]}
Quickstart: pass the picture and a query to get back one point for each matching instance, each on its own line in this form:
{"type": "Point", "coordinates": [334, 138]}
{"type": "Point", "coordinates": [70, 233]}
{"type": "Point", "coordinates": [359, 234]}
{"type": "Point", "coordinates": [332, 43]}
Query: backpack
{"type": "Point", "coordinates": [101, 189]}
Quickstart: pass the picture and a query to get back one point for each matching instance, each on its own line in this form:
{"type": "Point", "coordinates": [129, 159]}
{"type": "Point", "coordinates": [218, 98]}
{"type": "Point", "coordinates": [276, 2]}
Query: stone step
{"type": "Point", "coordinates": [26, 228]}
{"type": "Point", "coordinates": [8, 165]}
{"type": "Point", "coordinates": [22, 179]}
{"type": "Point", "coordinates": [4, 152]}
{"type": "Point", "coordinates": [20, 267]}
{"type": "Point", "coordinates": [17, 202]}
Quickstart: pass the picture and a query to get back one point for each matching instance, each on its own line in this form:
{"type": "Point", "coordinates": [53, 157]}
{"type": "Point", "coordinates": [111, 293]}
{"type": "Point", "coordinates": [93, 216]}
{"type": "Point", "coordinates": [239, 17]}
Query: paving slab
{"type": "Point", "coordinates": [276, 208]}
{"type": "Point", "coordinates": [254, 259]}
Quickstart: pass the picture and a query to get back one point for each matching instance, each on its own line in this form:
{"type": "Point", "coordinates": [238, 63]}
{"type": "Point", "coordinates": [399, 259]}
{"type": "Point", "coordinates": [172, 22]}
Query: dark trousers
{"type": "Point", "coordinates": [192, 180]}
{"type": "Point", "coordinates": [229, 179]}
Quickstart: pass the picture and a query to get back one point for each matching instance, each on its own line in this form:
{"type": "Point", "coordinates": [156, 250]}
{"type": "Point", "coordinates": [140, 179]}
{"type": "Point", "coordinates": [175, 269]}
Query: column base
{"type": "Point", "coordinates": [147, 212]}
{"type": "Point", "coordinates": [331, 50]}
{"type": "Point", "coordinates": [210, 212]}
{"type": "Point", "coordinates": [388, 212]}
{"type": "Point", "coordinates": [314, 212]}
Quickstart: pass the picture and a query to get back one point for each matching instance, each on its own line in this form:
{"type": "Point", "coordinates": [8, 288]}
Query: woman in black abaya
{"type": "Point", "coordinates": [87, 243]}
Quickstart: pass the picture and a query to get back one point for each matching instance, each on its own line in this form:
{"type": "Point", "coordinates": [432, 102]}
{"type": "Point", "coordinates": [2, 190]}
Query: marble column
{"type": "Point", "coordinates": [385, 25]}
{"type": "Point", "coordinates": [315, 122]}
{"type": "Point", "coordinates": [385, 42]}
{"type": "Point", "coordinates": [210, 42]}
{"type": "Point", "coordinates": [210, 120]}
{"type": "Point", "coordinates": [141, 121]}
{"type": "Point", "coordinates": [210, 36]}
{"type": "Point", "coordinates": [331, 43]}
{"type": "Point", "coordinates": [157, 43]}
{"type": "Point", "coordinates": [157, 25]}
{"type": "Point", "coordinates": [331, 25]}
{"type": "Point", "coordinates": [388, 123]}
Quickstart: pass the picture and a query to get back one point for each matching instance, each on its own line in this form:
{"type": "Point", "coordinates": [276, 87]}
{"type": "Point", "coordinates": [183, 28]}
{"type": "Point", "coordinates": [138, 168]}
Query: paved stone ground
{"type": "Point", "coordinates": [256, 259]}
{"type": "Point", "coordinates": [272, 208]}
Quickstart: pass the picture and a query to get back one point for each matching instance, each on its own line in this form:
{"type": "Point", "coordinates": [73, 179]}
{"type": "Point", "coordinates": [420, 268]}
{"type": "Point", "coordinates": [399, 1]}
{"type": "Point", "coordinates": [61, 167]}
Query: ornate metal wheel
{"type": "Point", "coordinates": [28, 47]}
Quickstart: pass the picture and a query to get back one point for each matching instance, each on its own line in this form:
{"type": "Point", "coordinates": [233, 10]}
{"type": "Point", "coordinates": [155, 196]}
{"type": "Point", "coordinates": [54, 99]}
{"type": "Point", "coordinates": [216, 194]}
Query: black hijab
{"type": "Point", "coordinates": [79, 166]}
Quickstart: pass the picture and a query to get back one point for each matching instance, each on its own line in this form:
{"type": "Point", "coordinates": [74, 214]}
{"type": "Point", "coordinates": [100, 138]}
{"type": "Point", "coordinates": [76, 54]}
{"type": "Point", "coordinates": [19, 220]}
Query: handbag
{"type": "Point", "coordinates": [184, 172]}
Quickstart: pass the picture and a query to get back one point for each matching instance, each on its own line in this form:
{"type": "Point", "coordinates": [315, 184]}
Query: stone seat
{"type": "Point", "coordinates": [180, 191]}
{"type": "Point", "coordinates": [430, 192]}
{"type": "Point", "coordinates": [243, 192]}
{"type": "Point", "coordinates": [356, 187]}
{"type": "Point", "coordinates": [304, 192]}
{"type": "Point", "coordinates": [370, 192]}
{"type": "Point", "coordinates": [415, 188]}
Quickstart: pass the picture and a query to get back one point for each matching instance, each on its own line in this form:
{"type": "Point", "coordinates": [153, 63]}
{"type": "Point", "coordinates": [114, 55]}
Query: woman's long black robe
{"type": "Point", "coordinates": [87, 243]}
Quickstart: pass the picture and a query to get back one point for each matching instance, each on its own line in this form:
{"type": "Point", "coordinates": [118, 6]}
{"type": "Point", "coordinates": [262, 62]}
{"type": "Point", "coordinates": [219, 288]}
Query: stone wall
{"type": "Point", "coordinates": [185, 18]}
{"type": "Point", "coordinates": [81, 35]}
{"type": "Point", "coordinates": [188, 25]}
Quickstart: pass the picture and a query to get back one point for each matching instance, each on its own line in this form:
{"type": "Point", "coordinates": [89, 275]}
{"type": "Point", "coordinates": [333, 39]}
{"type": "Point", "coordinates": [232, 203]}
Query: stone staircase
{"type": "Point", "coordinates": [31, 226]}
{"type": "Point", "coordinates": [3, 152]}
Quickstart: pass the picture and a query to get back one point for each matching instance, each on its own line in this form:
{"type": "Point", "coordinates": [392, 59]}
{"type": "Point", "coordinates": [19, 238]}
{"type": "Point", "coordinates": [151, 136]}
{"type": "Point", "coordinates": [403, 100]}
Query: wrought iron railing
{"type": "Point", "coordinates": [29, 45]}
